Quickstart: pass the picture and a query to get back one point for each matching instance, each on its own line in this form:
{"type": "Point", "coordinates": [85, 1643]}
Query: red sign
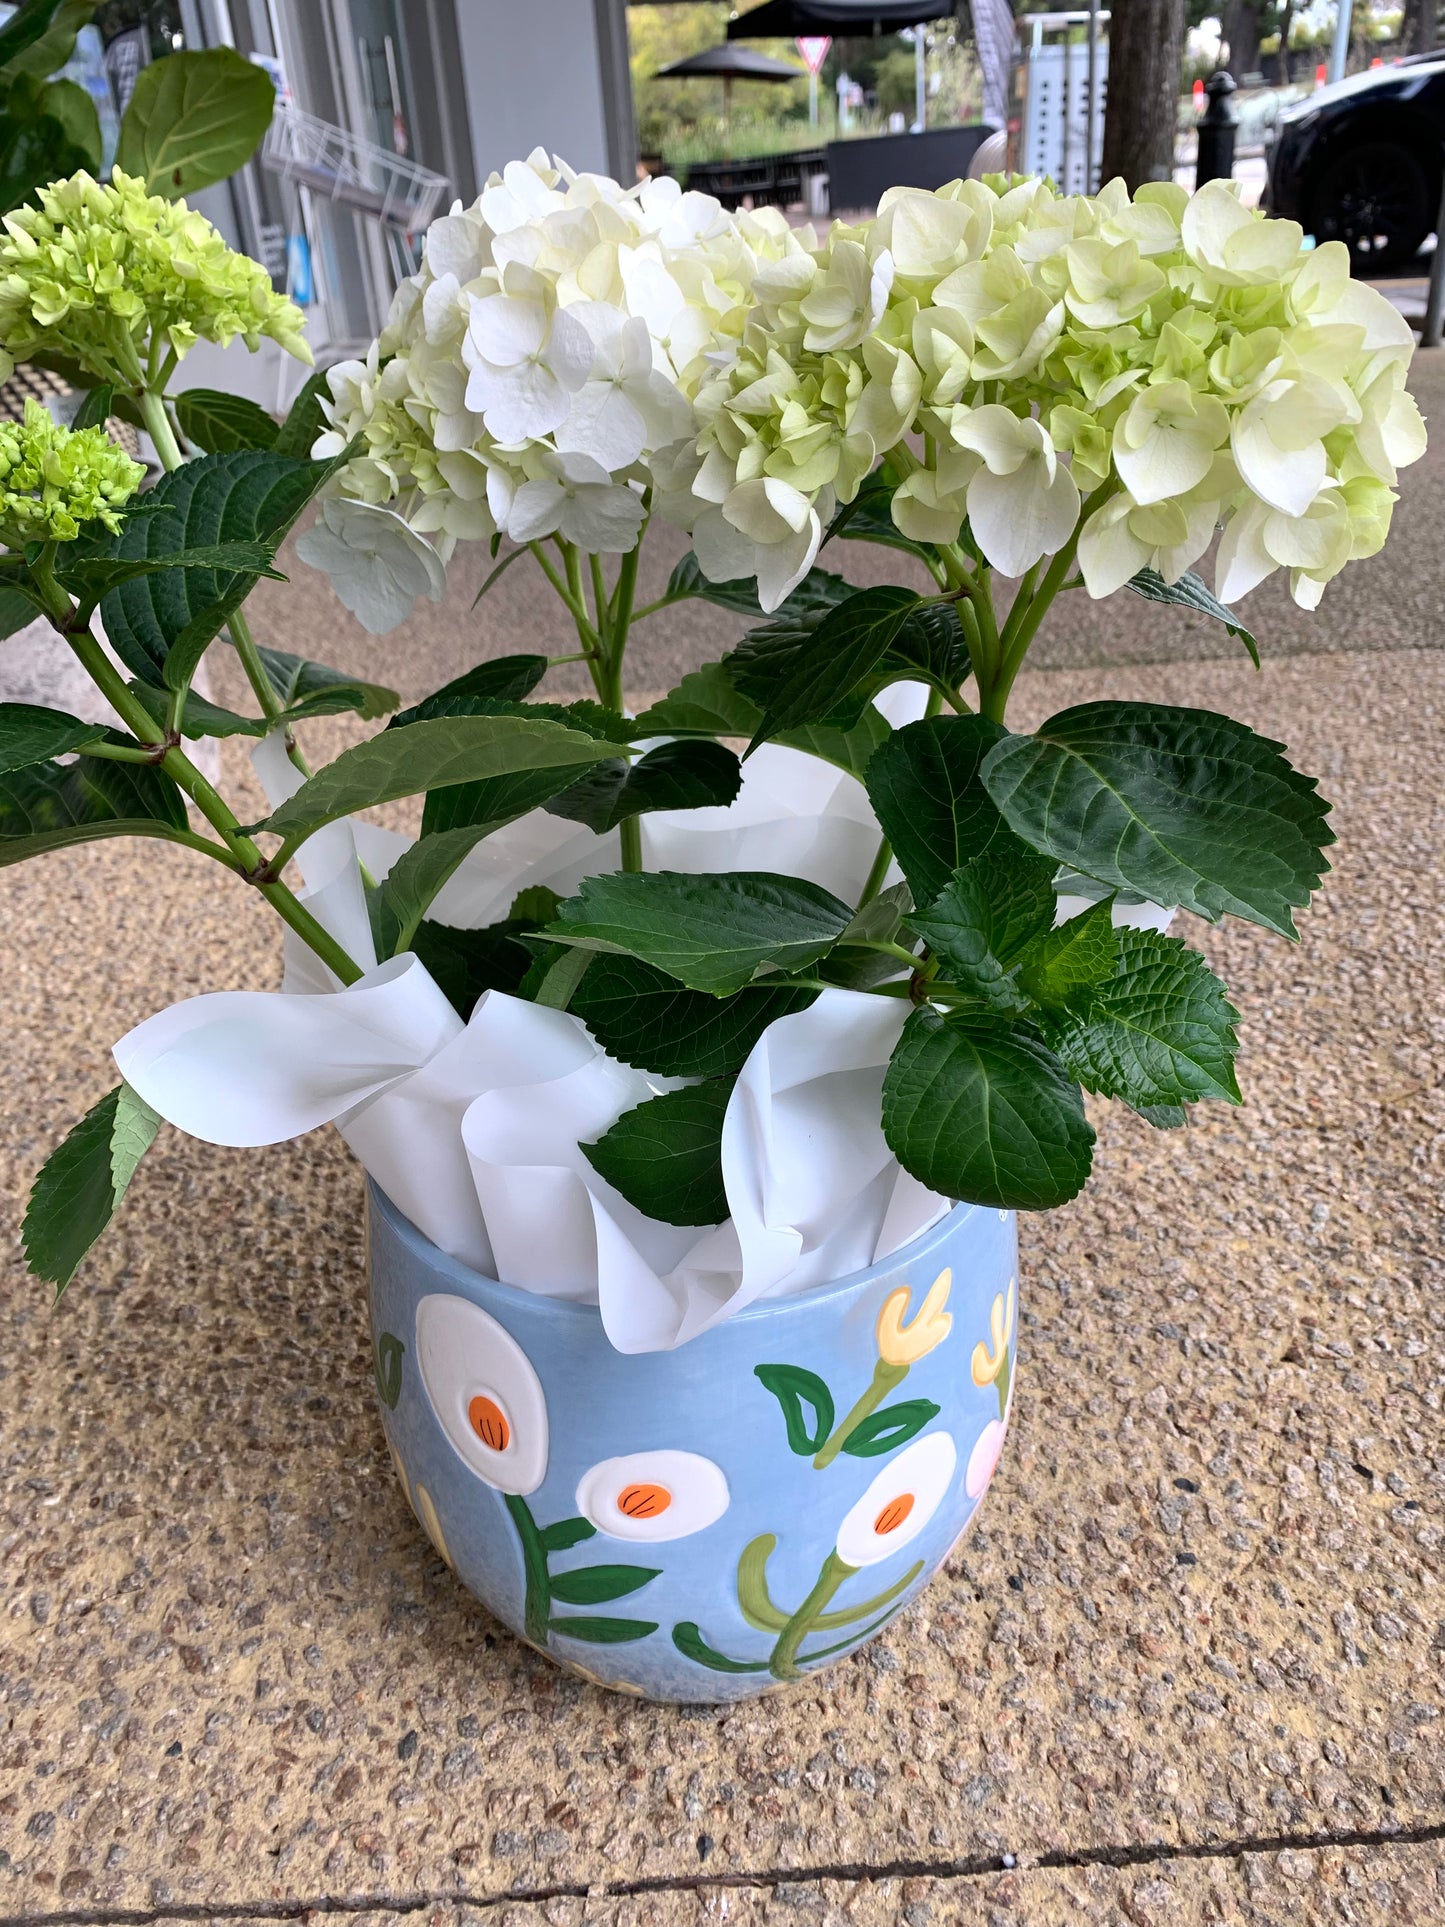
{"type": "Point", "coordinates": [814, 49]}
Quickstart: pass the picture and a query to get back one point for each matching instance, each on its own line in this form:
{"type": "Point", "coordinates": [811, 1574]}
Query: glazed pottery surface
{"type": "Point", "coordinates": [703, 1523]}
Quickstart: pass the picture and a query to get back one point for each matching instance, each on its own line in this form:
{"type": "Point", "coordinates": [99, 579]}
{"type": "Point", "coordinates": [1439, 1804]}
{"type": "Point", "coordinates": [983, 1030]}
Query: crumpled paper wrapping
{"type": "Point", "coordinates": [474, 1131]}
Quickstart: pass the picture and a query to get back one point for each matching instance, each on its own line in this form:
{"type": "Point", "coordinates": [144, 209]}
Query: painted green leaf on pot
{"type": "Point", "coordinates": [806, 1402]}
{"type": "Point", "coordinates": [881, 1431]}
{"type": "Point", "coordinates": [389, 1354]}
{"type": "Point", "coordinates": [927, 792]}
{"type": "Point", "coordinates": [604, 1632]}
{"type": "Point", "coordinates": [690, 1643]}
{"type": "Point", "coordinates": [566, 1532]}
{"type": "Point", "coordinates": [1179, 805]}
{"type": "Point", "coordinates": [591, 1585]}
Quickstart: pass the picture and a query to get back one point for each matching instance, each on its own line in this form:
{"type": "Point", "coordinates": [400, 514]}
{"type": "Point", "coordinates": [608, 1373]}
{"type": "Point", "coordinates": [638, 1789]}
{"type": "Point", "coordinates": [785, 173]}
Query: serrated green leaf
{"type": "Point", "coordinates": [29, 734]}
{"type": "Point", "coordinates": [89, 578]}
{"type": "Point", "coordinates": [1159, 1032]}
{"type": "Point", "coordinates": [886, 1430]}
{"type": "Point", "coordinates": [304, 421]}
{"type": "Point", "coordinates": [249, 496]}
{"type": "Point", "coordinates": [645, 1018]}
{"type": "Point", "coordinates": [464, 963]}
{"type": "Point", "coordinates": [607, 725]}
{"type": "Point", "coordinates": [503, 679]}
{"type": "Point", "coordinates": [1189, 592]}
{"type": "Point", "coordinates": [537, 903]}
{"type": "Point", "coordinates": [201, 718]}
{"type": "Point", "coordinates": [214, 421]}
{"type": "Point", "coordinates": [604, 1632]}
{"type": "Point", "coordinates": [986, 1114]}
{"type": "Point", "coordinates": [48, 806]}
{"type": "Point", "coordinates": [801, 672]}
{"type": "Point", "coordinates": [878, 920]}
{"type": "Point", "coordinates": [713, 933]}
{"type": "Point", "coordinates": [1179, 805]}
{"type": "Point", "coordinates": [927, 792]}
{"type": "Point", "coordinates": [565, 1533]}
{"type": "Point", "coordinates": [805, 1402]}
{"type": "Point", "coordinates": [979, 925]}
{"type": "Point", "coordinates": [674, 776]}
{"type": "Point", "coordinates": [665, 1154]}
{"type": "Point", "coordinates": [1065, 962]}
{"type": "Point", "coordinates": [428, 756]}
{"type": "Point", "coordinates": [308, 689]}
{"type": "Point", "coordinates": [83, 1181]}
{"type": "Point", "coordinates": [594, 1585]}
{"type": "Point", "coordinates": [705, 703]}
{"type": "Point", "coordinates": [193, 119]}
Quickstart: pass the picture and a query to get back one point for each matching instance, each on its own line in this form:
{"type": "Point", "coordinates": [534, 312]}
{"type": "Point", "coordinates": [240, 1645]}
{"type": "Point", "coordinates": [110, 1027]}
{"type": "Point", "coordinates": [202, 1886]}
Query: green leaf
{"type": "Point", "coordinates": [990, 911]}
{"type": "Point", "coordinates": [538, 903]}
{"type": "Point", "coordinates": [304, 420]}
{"type": "Point", "coordinates": [607, 725]}
{"type": "Point", "coordinates": [1066, 961]}
{"type": "Point", "coordinates": [17, 610]}
{"type": "Point", "coordinates": [796, 1388]}
{"type": "Point", "coordinates": [604, 1632]}
{"type": "Point", "coordinates": [39, 36]}
{"type": "Point", "coordinates": [644, 1017]}
{"type": "Point", "coordinates": [927, 792]}
{"type": "Point", "coordinates": [665, 1154]}
{"type": "Point", "coordinates": [95, 407]}
{"type": "Point", "coordinates": [428, 756]}
{"type": "Point", "coordinates": [29, 734]}
{"type": "Point", "coordinates": [674, 776]}
{"type": "Point", "coordinates": [800, 673]}
{"type": "Point", "coordinates": [869, 518]}
{"type": "Point", "coordinates": [464, 963]}
{"type": "Point", "coordinates": [88, 578]}
{"type": "Point", "coordinates": [713, 933]}
{"type": "Point", "coordinates": [67, 102]}
{"type": "Point", "coordinates": [691, 1644]}
{"type": "Point", "coordinates": [50, 805]}
{"type": "Point", "coordinates": [389, 1353]}
{"type": "Point", "coordinates": [249, 495]}
{"type": "Point", "coordinates": [309, 689]}
{"type": "Point", "coordinates": [819, 589]}
{"type": "Point", "coordinates": [706, 703]}
{"type": "Point", "coordinates": [83, 1181]}
{"type": "Point", "coordinates": [201, 718]}
{"type": "Point", "coordinates": [1177, 804]}
{"type": "Point", "coordinates": [592, 1585]}
{"type": "Point", "coordinates": [503, 679]}
{"type": "Point", "coordinates": [1159, 1032]}
{"type": "Point", "coordinates": [35, 144]}
{"type": "Point", "coordinates": [985, 1114]}
{"type": "Point", "coordinates": [215, 421]}
{"type": "Point", "coordinates": [1189, 592]}
{"type": "Point", "coordinates": [565, 1533]}
{"type": "Point", "coordinates": [193, 119]}
{"type": "Point", "coordinates": [883, 1431]}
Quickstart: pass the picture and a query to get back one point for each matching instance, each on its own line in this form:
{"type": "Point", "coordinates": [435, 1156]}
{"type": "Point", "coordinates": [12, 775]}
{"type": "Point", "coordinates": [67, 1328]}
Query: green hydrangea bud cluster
{"type": "Point", "coordinates": [53, 480]}
{"type": "Point", "coordinates": [123, 282]}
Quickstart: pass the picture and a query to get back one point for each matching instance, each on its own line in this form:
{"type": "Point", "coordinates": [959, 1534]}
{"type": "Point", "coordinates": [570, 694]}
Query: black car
{"type": "Point", "coordinates": [1360, 161]}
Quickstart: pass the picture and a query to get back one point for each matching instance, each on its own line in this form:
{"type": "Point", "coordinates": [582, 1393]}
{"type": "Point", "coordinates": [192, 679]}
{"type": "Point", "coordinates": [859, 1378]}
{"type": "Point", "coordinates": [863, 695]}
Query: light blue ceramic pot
{"type": "Point", "coordinates": [703, 1523]}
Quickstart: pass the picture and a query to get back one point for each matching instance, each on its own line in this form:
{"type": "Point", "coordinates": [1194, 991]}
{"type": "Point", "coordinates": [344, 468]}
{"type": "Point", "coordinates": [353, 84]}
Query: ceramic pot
{"type": "Point", "coordinates": [704, 1523]}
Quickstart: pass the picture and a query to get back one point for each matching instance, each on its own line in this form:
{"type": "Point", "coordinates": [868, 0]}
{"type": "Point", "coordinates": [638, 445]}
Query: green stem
{"type": "Point", "coordinates": [1026, 615]}
{"type": "Point", "coordinates": [783, 1663]}
{"type": "Point", "coordinates": [158, 427]}
{"type": "Point", "coordinates": [537, 1603]}
{"type": "Point", "coordinates": [885, 1378]}
{"type": "Point", "coordinates": [873, 882]}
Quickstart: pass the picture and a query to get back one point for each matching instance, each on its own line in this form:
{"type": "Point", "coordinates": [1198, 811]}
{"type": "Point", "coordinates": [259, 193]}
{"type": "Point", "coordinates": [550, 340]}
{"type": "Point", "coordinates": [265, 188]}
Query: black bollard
{"type": "Point", "coordinates": [1217, 128]}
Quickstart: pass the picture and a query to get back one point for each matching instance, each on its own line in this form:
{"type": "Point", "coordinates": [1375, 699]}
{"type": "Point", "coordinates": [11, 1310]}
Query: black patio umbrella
{"type": "Point", "coordinates": [728, 63]}
{"type": "Point", "coordinates": [787, 18]}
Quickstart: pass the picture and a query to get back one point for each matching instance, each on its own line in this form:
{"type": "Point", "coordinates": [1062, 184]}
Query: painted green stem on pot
{"type": "Point", "coordinates": [784, 1661]}
{"type": "Point", "coordinates": [537, 1605]}
{"type": "Point", "coordinates": [885, 1378]}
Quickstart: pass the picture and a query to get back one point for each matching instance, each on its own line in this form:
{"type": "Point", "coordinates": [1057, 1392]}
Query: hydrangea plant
{"type": "Point", "coordinates": [1073, 393]}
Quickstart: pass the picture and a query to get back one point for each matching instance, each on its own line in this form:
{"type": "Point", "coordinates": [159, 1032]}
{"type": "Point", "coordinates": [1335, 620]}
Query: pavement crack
{"type": "Point", "coordinates": [975, 1867]}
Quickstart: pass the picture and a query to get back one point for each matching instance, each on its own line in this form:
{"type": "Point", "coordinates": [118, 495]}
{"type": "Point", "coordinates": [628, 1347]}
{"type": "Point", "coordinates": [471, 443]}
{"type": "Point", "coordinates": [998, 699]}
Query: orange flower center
{"type": "Point", "coordinates": [643, 1501]}
{"type": "Point", "coordinates": [893, 1514]}
{"type": "Point", "coordinates": [489, 1422]}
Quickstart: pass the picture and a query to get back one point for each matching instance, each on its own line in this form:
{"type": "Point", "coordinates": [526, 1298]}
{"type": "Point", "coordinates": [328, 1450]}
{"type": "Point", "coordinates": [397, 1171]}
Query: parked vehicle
{"type": "Point", "coordinates": [1360, 161]}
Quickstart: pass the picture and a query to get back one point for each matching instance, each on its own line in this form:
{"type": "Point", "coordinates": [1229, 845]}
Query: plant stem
{"type": "Point", "coordinates": [885, 1378]}
{"type": "Point", "coordinates": [244, 644]}
{"type": "Point", "coordinates": [537, 1601]}
{"type": "Point", "coordinates": [873, 882]}
{"type": "Point", "coordinates": [158, 427]}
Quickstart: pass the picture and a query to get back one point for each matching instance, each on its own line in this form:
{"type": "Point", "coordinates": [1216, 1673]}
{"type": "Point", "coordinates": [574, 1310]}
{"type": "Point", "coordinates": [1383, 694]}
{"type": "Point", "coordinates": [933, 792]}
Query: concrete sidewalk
{"type": "Point", "coordinates": [1187, 1668]}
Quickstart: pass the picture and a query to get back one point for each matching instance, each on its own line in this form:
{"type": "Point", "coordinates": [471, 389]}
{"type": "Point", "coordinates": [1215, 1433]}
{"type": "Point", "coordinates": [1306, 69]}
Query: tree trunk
{"type": "Point", "coordinates": [1241, 31]}
{"type": "Point", "coordinates": [1420, 28]}
{"type": "Point", "coordinates": [1281, 59]}
{"type": "Point", "coordinates": [1146, 51]}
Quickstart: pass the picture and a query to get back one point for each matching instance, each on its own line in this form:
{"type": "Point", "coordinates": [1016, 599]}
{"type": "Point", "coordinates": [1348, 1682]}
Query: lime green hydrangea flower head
{"type": "Point", "coordinates": [123, 281]}
{"type": "Point", "coordinates": [53, 480]}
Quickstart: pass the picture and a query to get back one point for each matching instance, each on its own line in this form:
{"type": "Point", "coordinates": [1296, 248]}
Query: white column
{"type": "Point", "coordinates": [544, 73]}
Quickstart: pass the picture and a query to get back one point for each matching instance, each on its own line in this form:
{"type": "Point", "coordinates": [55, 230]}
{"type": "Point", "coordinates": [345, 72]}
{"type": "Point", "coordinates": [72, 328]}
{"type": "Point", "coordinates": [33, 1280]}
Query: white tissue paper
{"type": "Point", "coordinates": [474, 1131]}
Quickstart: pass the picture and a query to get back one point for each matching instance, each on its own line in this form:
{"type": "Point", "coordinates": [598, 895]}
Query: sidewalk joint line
{"type": "Point", "coordinates": [977, 1867]}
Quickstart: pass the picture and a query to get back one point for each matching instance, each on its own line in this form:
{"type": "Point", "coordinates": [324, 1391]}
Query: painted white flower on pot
{"type": "Point", "coordinates": [900, 1501]}
{"type": "Point", "coordinates": [651, 1496]}
{"type": "Point", "coordinates": [485, 1392]}
{"type": "Point", "coordinates": [377, 563]}
{"type": "Point", "coordinates": [983, 1459]}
